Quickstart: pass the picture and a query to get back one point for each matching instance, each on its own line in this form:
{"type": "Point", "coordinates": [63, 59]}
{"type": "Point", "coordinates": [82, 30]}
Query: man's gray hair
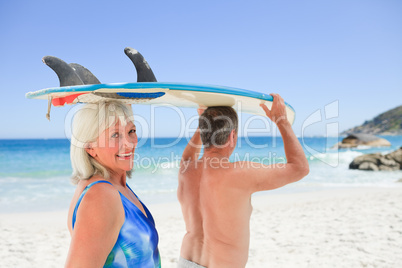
{"type": "Point", "coordinates": [216, 124]}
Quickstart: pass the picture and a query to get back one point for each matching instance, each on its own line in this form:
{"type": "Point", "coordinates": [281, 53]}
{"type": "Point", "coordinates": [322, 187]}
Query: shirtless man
{"type": "Point", "coordinates": [215, 194]}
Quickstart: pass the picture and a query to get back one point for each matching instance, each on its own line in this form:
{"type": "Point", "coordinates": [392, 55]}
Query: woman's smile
{"type": "Point", "coordinates": [126, 156]}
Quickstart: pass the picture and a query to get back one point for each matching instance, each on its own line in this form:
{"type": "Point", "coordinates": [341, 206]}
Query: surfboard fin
{"type": "Point", "coordinates": [72, 74]}
{"type": "Point", "coordinates": [67, 75]}
{"type": "Point", "coordinates": [144, 72]}
{"type": "Point", "coordinates": [84, 74]}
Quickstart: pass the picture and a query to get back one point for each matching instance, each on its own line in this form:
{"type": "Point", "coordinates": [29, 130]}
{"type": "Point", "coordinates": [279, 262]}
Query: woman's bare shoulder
{"type": "Point", "coordinates": [99, 198]}
{"type": "Point", "coordinates": [99, 194]}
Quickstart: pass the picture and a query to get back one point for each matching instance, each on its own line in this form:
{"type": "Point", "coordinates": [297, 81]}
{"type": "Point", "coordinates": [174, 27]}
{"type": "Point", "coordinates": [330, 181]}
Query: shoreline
{"type": "Point", "coordinates": [348, 227]}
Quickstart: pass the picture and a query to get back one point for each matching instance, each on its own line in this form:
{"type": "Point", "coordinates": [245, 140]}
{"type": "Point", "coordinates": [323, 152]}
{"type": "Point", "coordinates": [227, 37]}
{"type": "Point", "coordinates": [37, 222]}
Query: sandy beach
{"type": "Point", "coordinates": [353, 227]}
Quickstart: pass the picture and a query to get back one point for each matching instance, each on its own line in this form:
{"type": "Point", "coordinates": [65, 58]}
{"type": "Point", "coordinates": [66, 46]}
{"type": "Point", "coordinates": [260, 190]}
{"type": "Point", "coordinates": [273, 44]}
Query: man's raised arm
{"type": "Point", "coordinates": [263, 177]}
{"type": "Point", "coordinates": [193, 148]}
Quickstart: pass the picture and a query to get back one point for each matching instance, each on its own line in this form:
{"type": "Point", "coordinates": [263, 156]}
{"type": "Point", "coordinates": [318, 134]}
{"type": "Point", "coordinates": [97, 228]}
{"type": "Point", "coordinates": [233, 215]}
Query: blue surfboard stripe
{"type": "Point", "coordinates": [148, 85]}
{"type": "Point", "coordinates": [139, 95]}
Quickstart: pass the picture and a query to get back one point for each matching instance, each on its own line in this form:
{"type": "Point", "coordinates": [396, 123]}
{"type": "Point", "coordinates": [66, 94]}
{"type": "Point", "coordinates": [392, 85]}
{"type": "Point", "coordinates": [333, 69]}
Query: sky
{"type": "Point", "coordinates": [337, 62]}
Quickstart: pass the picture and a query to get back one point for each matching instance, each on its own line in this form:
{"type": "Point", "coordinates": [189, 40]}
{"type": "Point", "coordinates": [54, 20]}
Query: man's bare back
{"type": "Point", "coordinates": [215, 195]}
{"type": "Point", "coordinates": [217, 215]}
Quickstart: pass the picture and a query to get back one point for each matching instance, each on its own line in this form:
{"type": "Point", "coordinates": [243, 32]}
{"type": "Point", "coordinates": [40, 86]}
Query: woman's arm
{"type": "Point", "coordinates": [99, 219]}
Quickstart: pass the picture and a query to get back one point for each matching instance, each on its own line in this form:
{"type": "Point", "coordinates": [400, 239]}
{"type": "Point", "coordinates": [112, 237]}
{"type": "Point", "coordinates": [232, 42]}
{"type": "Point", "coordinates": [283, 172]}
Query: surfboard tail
{"type": "Point", "coordinates": [66, 74]}
{"type": "Point", "coordinates": [72, 74]}
{"type": "Point", "coordinates": [85, 75]}
{"type": "Point", "coordinates": [144, 72]}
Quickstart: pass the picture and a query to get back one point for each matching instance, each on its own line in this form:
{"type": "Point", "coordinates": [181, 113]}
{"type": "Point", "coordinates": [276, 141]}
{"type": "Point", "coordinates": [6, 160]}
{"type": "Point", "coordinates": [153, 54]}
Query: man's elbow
{"type": "Point", "coordinates": [301, 171]}
{"type": "Point", "coordinates": [304, 170]}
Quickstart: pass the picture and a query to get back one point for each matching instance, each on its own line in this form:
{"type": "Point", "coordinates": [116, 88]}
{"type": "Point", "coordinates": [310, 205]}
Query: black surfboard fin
{"type": "Point", "coordinates": [66, 73]}
{"type": "Point", "coordinates": [144, 72]}
{"type": "Point", "coordinates": [84, 74]}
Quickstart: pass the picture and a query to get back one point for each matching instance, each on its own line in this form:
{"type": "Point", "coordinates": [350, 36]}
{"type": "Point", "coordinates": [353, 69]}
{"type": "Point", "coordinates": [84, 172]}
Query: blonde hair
{"type": "Point", "coordinates": [88, 123]}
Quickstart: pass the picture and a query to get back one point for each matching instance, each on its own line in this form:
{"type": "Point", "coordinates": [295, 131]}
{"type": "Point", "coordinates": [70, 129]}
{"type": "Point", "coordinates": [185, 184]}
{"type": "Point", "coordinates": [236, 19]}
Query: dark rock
{"type": "Point", "coordinates": [354, 140]}
{"type": "Point", "coordinates": [367, 158]}
{"type": "Point", "coordinates": [389, 168]}
{"type": "Point", "coordinates": [396, 156]}
{"type": "Point", "coordinates": [368, 166]}
{"type": "Point", "coordinates": [377, 161]}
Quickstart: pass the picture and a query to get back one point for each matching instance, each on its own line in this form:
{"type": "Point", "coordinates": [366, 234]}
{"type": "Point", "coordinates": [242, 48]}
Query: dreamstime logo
{"type": "Point", "coordinates": [173, 161]}
{"type": "Point", "coordinates": [331, 111]}
{"type": "Point", "coordinates": [187, 127]}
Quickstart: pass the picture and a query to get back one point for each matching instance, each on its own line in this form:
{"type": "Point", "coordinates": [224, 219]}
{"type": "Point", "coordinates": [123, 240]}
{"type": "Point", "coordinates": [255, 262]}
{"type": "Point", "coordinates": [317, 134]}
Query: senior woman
{"type": "Point", "coordinates": [109, 225]}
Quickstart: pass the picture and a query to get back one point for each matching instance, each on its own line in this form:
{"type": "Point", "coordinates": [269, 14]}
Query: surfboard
{"type": "Point", "coordinates": [157, 93]}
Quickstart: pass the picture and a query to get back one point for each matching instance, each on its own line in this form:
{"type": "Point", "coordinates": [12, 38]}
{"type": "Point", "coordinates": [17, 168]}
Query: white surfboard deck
{"type": "Point", "coordinates": [177, 94]}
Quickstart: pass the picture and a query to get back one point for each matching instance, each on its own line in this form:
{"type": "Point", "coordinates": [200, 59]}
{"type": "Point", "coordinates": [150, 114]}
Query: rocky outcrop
{"type": "Point", "coordinates": [354, 140]}
{"type": "Point", "coordinates": [377, 161]}
{"type": "Point", "coordinates": [388, 123]}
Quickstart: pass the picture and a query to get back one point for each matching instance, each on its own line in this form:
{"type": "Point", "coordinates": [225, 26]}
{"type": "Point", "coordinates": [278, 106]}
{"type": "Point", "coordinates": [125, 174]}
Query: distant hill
{"type": "Point", "coordinates": [388, 123]}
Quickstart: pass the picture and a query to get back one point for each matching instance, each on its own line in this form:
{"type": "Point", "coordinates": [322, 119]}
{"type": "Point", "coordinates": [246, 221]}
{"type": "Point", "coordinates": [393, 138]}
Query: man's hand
{"type": "Point", "coordinates": [278, 109]}
{"type": "Point", "coordinates": [200, 110]}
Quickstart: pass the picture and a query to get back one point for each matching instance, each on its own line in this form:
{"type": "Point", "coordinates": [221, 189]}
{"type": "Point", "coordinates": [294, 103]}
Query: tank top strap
{"type": "Point", "coordinates": [82, 196]}
{"type": "Point", "coordinates": [133, 192]}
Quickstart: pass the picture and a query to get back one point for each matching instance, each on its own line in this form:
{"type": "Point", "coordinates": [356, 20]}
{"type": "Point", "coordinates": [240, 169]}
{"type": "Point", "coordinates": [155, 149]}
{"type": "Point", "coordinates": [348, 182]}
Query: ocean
{"type": "Point", "coordinates": [35, 174]}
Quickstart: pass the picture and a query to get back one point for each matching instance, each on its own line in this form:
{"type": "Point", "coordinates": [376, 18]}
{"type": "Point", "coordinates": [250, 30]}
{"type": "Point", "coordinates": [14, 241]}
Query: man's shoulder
{"type": "Point", "coordinates": [189, 168]}
{"type": "Point", "coordinates": [229, 171]}
{"type": "Point", "coordinates": [192, 166]}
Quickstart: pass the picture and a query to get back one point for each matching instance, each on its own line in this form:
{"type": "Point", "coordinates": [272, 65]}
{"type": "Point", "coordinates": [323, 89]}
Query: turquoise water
{"type": "Point", "coordinates": [35, 174]}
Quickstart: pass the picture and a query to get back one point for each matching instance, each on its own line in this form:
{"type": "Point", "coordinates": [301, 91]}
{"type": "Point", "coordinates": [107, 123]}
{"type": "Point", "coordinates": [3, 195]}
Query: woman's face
{"type": "Point", "coordinates": [114, 148]}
